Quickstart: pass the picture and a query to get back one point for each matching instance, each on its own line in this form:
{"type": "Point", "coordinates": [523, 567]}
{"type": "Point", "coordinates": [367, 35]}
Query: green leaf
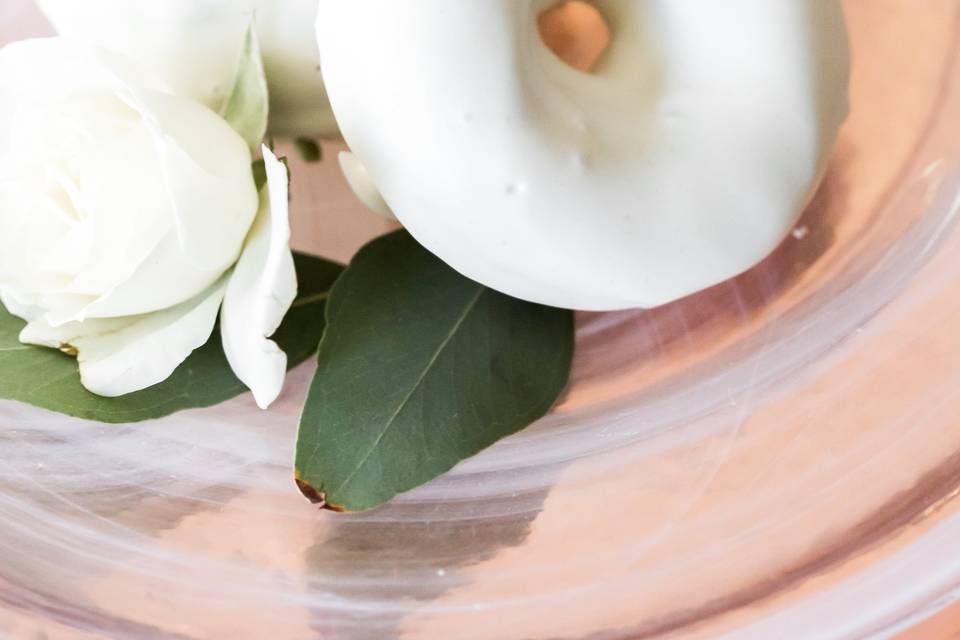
{"type": "Point", "coordinates": [309, 150]}
{"type": "Point", "coordinates": [49, 379]}
{"type": "Point", "coordinates": [420, 368]}
{"type": "Point", "coordinates": [259, 169]}
{"type": "Point", "coordinates": [248, 107]}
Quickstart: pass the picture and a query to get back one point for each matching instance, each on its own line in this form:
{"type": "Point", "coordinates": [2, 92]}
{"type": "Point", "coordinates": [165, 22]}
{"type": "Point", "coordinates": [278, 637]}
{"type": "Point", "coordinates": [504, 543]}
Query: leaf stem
{"type": "Point", "coordinates": [311, 299]}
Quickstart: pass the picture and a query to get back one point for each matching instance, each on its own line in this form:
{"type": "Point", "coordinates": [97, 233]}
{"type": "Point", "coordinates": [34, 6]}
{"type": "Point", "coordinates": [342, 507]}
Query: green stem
{"type": "Point", "coordinates": [311, 299]}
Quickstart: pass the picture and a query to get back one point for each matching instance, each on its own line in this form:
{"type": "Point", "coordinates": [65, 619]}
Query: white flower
{"type": "Point", "coordinates": [123, 212]}
{"type": "Point", "coordinates": [192, 45]}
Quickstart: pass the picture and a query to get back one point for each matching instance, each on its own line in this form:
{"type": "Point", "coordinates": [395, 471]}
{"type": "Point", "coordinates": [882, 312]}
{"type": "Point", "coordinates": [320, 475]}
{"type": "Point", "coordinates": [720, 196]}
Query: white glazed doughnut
{"type": "Point", "coordinates": [362, 185]}
{"type": "Point", "coordinates": [682, 161]}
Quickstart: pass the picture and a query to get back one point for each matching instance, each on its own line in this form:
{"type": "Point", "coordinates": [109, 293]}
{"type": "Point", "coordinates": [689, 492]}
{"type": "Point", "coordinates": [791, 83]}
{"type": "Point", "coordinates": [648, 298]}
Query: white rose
{"type": "Point", "coordinates": [192, 45]}
{"type": "Point", "coordinates": [127, 215]}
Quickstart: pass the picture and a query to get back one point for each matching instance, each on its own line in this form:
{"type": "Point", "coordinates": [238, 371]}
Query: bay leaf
{"type": "Point", "coordinates": [49, 379]}
{"type": "Point", "coordinates": [420, 368]}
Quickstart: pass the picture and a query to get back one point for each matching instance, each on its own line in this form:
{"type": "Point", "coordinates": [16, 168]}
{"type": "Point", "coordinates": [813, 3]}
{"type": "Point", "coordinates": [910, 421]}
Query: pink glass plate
{"type": "Point", "coordinates": [776, 457]}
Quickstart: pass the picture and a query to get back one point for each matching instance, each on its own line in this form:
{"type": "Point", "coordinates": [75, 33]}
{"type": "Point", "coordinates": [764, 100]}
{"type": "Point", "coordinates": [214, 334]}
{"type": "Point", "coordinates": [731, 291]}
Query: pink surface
{"type": "Point", "coordinates": [776, 457]}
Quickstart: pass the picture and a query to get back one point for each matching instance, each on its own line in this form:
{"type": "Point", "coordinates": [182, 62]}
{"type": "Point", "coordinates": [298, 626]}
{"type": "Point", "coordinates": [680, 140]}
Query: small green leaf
{"type": "Point", "coordinates": [247, 109]}
{"type": "Point", "coordinates": [420, 368]}
{"type": "Point", "coordinates": [49, 379]}
{"type": "Point", "coordinates": [259, 174]}
{"type": "Point", "coordinates": [309, 150]}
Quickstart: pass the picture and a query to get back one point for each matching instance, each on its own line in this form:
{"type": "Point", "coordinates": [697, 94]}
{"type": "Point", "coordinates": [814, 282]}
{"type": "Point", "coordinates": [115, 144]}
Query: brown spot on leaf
{"type": "Point", "coordinates": [317, 496]}
{"type": "Point", "coordinates": [336, 508]}
{"type": "Point", "coordinates": [311, 494]}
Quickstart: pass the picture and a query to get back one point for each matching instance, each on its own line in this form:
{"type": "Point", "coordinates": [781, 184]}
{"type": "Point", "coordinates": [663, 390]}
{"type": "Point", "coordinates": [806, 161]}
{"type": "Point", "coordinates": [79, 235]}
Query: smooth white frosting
{"type": "Point", "coordinates": [681, 162]}
{"type": "Point", "coordinates": [359, 181]}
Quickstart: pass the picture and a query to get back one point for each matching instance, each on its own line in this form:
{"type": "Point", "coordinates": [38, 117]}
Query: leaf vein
{"type": "Point", "coordinates": [413, 389]}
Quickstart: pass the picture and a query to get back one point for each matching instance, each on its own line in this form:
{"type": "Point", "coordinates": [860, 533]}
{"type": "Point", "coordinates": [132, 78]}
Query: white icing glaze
{"type": "Point", "coordinates": [681, 162]}
{"type": "Point", "coordinates": [193, 46]}
{"type": "Point", "coordinates": [362, 185]}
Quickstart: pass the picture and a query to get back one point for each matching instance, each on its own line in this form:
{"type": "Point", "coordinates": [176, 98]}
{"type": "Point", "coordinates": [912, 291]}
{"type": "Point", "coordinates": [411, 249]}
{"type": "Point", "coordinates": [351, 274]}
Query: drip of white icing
{"type": "Point", "coordinates": [362, 185]}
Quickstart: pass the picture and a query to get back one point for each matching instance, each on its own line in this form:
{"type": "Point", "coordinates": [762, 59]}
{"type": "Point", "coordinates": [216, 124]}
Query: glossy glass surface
{"type": "Point", "coordinates": [776, 457]}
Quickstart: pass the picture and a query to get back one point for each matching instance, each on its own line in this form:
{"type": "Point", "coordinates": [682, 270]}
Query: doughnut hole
{"type": "Point", "coordinates": [576, 32]}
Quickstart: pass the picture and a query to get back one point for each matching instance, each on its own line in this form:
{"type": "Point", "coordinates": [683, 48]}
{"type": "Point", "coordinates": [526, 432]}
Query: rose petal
{"type": "Point", "coordinates": [206, 165]}
{"type": "Point", "coordinates": [118, 356]}
{"type": "Point", "coordinates": [82, 199]}
{"type": "Point", "coordinates": [204, 170]}
{"type": "Point", "coordinates": [20, 308]}
{"type": "Point", "coordinates": [260, 292]}
{"type": "Point", "coordinates": [47, 67]}
{"type": "Point", "coordinates": [247, 108]}
{"type": "Point", "coordinates": [193, 44]}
